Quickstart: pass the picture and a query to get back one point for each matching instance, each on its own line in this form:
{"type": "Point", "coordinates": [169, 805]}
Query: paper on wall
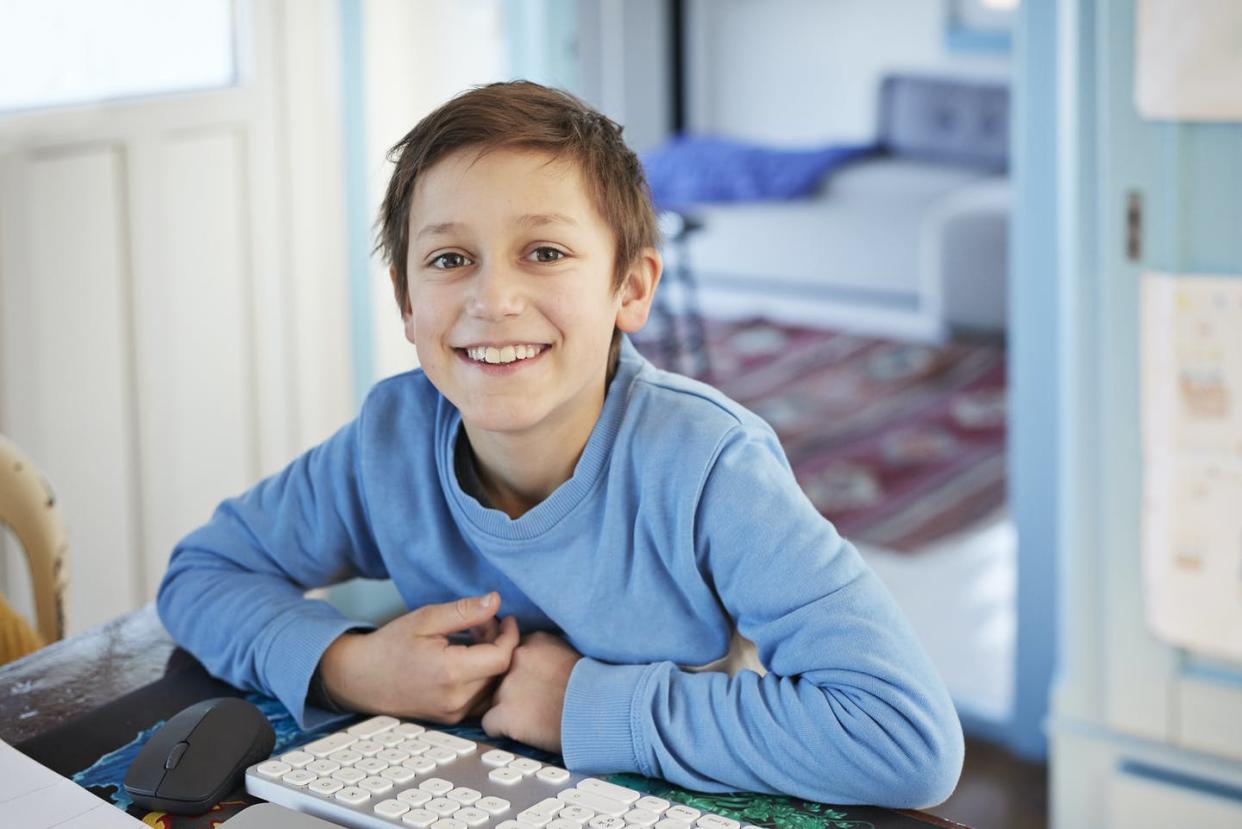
{"type": "Point", "coordinates": [1191, 332]}
{"type": "Point", "coordinates": [1187, 60]}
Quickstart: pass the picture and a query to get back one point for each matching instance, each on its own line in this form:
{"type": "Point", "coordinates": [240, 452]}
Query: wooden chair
{"type": "Point", "coordinates": [28, 508]}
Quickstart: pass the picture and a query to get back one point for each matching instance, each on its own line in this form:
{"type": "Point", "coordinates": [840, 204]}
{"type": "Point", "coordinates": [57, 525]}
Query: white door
{"type": "Point", "coordinates": [150, 318]}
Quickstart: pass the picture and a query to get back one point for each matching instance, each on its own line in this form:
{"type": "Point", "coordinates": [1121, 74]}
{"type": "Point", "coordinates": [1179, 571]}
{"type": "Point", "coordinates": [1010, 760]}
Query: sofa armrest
{"type": "Point", "coordinates": [964, 256]}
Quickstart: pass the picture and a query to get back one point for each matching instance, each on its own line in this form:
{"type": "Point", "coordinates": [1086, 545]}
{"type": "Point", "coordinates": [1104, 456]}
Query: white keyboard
{"type": "Point", "coordinates": [383, 772]}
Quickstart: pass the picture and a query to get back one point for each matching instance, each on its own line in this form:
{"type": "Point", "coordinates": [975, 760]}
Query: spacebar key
{"type": "Point", "coordinates": [594, 802]}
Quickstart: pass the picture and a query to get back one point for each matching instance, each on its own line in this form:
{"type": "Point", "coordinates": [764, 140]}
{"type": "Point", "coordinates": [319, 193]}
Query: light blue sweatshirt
{"type": "Point", "coordinates": [681, 523]}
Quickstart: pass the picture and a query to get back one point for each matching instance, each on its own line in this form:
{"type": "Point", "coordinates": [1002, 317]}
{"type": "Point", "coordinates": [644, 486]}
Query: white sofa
{"type": "Point", "coordinates": [910, 243]}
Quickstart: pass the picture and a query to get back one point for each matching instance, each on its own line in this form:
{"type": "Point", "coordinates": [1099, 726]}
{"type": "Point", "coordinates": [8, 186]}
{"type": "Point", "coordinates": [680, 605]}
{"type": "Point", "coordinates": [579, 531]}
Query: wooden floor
{"type": "Point", "coordinates": [998, 791]}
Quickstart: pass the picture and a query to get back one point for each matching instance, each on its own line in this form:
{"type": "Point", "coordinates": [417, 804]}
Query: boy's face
{"type": "Point", "coordinates": [510, 275]}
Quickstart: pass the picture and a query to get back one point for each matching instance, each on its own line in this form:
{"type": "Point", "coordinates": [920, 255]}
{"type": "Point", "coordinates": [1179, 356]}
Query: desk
{"type": "Point", "coordinates": [71, 704]}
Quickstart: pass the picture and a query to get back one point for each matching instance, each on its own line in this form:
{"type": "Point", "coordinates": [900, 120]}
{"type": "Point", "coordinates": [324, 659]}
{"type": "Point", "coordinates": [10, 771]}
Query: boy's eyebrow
{"type": "Point", "coordinates": [528, 221]}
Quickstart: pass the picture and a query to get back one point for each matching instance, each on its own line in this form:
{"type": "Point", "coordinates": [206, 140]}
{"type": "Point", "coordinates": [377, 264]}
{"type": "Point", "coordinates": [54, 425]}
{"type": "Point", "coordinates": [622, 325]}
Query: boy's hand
{"type": "Point", "coordinates": [528, 703]}
{"type": "Point", "coordinates": [408, 668]}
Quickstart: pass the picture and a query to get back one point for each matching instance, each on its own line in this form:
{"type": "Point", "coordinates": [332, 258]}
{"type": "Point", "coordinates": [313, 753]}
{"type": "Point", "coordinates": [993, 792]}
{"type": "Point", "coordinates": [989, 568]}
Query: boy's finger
{"type": "Point", "coordinates": [486, 632]}
{"type": "Point", "coordinates": [488, 659]}
{"type": "Point", "coordinates": [451, 617]}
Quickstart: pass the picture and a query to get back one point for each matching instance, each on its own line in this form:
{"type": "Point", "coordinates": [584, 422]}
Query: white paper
{"type": "Point", "coordinates": [33, 796]}
{"type": "Point", "coordinates": [1191, 332]}
{"type": "Point", "coordinates": [1188, 60]}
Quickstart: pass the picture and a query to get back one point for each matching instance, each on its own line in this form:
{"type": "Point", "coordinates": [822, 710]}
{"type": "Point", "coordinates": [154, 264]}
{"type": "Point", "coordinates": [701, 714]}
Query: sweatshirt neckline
{"type": "Point", "coordinates": [591, 463]}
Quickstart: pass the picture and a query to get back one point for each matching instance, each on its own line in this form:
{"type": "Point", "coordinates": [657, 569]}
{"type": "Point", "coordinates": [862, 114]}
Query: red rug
{"type": "Point", "coordinates": [897, 444]}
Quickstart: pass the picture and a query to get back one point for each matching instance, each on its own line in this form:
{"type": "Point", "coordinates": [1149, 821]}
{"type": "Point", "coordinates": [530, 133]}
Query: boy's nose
{"type": "Point", "coordinates": [498, 293]}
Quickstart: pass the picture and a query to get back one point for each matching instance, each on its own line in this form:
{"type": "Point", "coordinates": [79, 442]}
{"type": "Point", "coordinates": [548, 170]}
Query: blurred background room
{"type": "Point", "coordinates": [970, 258]}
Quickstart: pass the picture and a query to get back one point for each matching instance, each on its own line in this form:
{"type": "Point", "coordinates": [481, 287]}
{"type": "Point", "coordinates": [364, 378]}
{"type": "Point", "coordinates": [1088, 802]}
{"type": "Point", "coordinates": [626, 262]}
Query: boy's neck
{"type": "Point", "coordinates": [518, 472]}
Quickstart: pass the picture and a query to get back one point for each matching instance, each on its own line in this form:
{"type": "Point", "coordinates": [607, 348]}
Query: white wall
{"type": "Point", "coordinates": [802, 71]}
{"type": "Point", "coordinates": [416, 55]}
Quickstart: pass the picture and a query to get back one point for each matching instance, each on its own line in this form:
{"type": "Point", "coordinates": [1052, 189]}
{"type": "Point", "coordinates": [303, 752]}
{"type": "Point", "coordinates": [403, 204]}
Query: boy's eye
{"type": "Point", "coordinates": [447, 261]}
{"type": "Point", "coordinates": [547, 254]}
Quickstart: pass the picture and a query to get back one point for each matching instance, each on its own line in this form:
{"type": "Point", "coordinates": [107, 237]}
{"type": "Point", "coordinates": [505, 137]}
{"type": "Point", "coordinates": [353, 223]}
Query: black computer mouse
{"type": "Point", "coordinates": [199, 756]}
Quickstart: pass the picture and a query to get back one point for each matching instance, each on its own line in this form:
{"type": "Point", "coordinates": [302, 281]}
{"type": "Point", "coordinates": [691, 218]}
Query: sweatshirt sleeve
{"type": "Point", "coordinates": [233, 592]}
{"type": "Point", "coordinates": [850, 709]}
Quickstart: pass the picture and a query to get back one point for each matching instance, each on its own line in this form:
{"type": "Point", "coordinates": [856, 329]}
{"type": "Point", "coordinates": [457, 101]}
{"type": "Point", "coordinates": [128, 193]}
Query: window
{"type": "Point", "coordinates": [58, 52]}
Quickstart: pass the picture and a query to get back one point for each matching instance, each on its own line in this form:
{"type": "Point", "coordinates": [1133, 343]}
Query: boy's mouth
{"type": "Point", "coordinates": [502, 355]}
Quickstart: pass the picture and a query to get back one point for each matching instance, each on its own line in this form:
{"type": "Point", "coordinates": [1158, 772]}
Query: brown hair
{"type": "Point", "coordinates": [521, 114]}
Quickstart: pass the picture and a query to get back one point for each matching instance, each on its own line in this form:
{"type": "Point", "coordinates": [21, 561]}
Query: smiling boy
{"type": "Point", "coordinates": [672, 604]}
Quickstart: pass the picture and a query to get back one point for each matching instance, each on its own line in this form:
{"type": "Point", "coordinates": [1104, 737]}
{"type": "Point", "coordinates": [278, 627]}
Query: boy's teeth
{"type": "Point", "coordinates": [505, 354]}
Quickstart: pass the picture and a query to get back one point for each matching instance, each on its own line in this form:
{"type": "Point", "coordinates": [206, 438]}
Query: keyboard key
{"type": "Point", "coordinates": [596, 786]}
{"type": "Point", "coordinates": [549, 806]}
{"type": "Point", "coordinates": [496, 757]}
{"type": "Point", "coordinates": [438, 786]}
{"type": "Point", "coordinates": [716, 822]}
{"type": "Point", "coordinates": [594, 802]}
{"type": "Point", "coordinates": [389, 738]}
{"type": "Point", "coordinates": [652, 804]}
{"type": "Point", "coordinates": [375, 785]}
{"type": "Point", "coordinates": [672, 823]}
{"type": "Point", "coordinates": [464, 795]}
{"type": "Point", "coordinates": [448, 823]}
{"type": "Point", "coordinates": [373, 726]}
{"type": "Point", "coordinates": [393, 756]}
{"type": "Point", "coordinates": [471, 816]}
{"type": "Point", "coordinates": [298, 777]}
{"type": "Point", "coordinates": [525, 765]}
{"type": "Point", "coordinates": [371, 765]}
{"type": "Point", "coordinates": [420, 818]}
{"type": "Point", "coordinates": [345, 757]}
{"type": "Point", "coordinates": [297, 759]}
{"type": "Point", "coordinates": [641, 817]}
{"type": "Point", "coordinates": [606, 822]}
{"type": "Point", "coordinates": [563, 823]}
{"type": "Point", "coordinates": [443, 806]}
{"type": "Point", "coordinates": [349, 776]}
{"type": "Point", "coordinates": [419, 765]}
{"type": "Point", "coordinates": [352, 795]}
{"type": "Point", "coordinates": [492, 805]}
{"type": "Point", "coordinates": [440, 755]}
{"type": "Point", "coordinates": [322, 766]}
{"type": "Point", "coordinates": [326, 745]}
{"type": "Point", "coordinates": [510, 824]}
{"type": "Point", "coordinates": [367, 748]}
{"type": "Point", "coordinates": [414, 797]}
{"type": "Point", "coordinates": [449, 741]}
{"type": "Point", "coordinates": [414, 746]}
{"type": "Point", "coordinates": [326, 786]}
{"type": "Point", "coordinates": [578, 814]}
{"type": "Point", "coordinates": [274, 769]}
{"type": "Point", "coordinates": [552, 774]}
{"type": "Point", "coordinates": [391, 809]}
{"type": "Point", "coordinates": [506, 776]}
{"type": "Point", "coordinates": [680, 812]}
{"type": "Point", "coordinates": [398, 774]}
{"type": "Point", "coordinates": [409, 729]}
{"type": "Point", "coordinates": [531, 818]}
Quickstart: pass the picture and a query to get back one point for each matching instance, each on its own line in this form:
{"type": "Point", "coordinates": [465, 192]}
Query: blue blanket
{"type": "Point", "coordinates": [692, 169]}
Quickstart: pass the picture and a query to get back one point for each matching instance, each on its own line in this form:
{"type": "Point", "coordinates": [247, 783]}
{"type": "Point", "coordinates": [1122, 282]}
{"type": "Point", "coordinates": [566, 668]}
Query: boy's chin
{"type": "Point", "coordinates": [500, 422]}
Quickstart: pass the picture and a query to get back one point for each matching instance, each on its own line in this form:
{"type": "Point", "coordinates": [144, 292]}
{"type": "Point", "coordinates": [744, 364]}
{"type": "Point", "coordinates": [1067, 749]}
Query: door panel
{"type": "Point", "coordinates": [1186, 179]}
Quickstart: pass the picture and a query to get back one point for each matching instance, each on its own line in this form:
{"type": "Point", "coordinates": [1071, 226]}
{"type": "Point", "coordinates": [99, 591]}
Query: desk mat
{"type": "Point", "coordinates": [95, 750]}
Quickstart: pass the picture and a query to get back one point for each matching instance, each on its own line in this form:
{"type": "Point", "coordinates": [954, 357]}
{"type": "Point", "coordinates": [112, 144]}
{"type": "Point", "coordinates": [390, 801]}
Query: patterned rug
{"type": "Point", "coordinates": [898, 444]}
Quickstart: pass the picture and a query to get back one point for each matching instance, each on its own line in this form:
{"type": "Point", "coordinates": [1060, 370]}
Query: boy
{"type": "Point", "coordinates": [643, 534]}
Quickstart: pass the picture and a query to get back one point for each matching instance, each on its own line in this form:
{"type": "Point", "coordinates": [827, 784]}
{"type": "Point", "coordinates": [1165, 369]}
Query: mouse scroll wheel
{"type": "Point", "coordinates": [174, 756]}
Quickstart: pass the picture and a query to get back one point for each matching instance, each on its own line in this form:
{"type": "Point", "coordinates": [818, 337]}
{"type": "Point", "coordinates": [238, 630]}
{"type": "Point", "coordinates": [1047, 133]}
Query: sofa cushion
{"type": "Point", "coordinates": [945, 119]}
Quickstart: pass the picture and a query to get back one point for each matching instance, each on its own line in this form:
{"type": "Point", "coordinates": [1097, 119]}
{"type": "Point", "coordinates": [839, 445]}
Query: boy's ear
{"type": "Point", "coordinates": [638, 290]}
{"type": "Point", "coordinates": [407, 314]}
